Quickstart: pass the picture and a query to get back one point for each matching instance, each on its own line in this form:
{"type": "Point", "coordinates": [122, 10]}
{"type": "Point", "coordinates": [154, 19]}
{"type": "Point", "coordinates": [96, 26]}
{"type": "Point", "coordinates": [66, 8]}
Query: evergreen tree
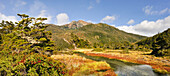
{"type": "Point", "coordinates": [25, 47]}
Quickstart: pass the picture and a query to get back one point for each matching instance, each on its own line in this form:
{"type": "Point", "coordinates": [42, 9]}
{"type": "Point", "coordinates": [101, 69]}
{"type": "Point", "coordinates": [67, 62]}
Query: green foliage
{"type": "Point", "coordinates": [24, 48]}
{"type": "Point", "coordinates": [42, 39]}
{"type": "Point", "coordinates": [164, 52]}
{"type": "Point", "coordinates": [31, 64]}
{"type": "Point", "coordinates": [80, 43]}
{"type": "Point", "coordinates": [159, 43]}
{"type": "Point", "coordinates": [25, 34]}
{"type": "Point", "coordinates": [0, 39]}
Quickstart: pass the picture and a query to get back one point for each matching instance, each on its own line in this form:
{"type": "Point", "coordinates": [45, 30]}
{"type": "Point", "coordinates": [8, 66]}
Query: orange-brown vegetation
{"type": "Point", "coordinates": [136, 57]}
{"type": "Point", "coordinates": [81, 66]}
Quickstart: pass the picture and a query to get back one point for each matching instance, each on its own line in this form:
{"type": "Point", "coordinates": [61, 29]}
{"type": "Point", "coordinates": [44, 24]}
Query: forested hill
{"type": "Point", "coordinates": [98, 35]}
{"type": "Point", "coordinates": [159, 43]}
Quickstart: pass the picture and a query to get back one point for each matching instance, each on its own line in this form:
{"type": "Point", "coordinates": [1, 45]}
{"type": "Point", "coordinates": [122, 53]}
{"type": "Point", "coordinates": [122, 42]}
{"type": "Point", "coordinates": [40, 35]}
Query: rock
{"type": "Point", "coordinates": [76, 24]}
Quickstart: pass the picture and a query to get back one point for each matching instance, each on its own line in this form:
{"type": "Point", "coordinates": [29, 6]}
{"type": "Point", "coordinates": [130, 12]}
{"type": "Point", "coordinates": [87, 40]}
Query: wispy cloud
{"type": "Point", "coordinates": [97, 1]}
{"type": "Point", "coordinates": [36, 7]}
{"type": "Point", "coordinates": [130, 22]}
{"type": "Point", "coordinates": [148, 28]}
{"type": "Point", "coordinates": [19, 3]}
{"type": "Point", "coordinates": [149, 10]}
{"type": "Point", "coordinates": [2, 6]}
{"type": "Point", "coordinates": [108, 19]}
{"type": "Point", "coordinates": [90, 7]}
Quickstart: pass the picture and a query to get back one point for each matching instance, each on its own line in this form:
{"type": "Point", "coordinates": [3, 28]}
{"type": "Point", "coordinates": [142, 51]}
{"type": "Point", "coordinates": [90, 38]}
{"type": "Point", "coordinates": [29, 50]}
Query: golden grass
{"type": "Point", "coordinates": [79, 66]}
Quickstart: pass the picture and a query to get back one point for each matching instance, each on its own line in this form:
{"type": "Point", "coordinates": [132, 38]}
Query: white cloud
{"type": "Point", "coordinates": [97, 1]}
{"type": "Point", "coordinates": [148, 28]}
{"type": "Point", "coordinates": [7, 18]}
{"type": "Point", "coordinates": [131, 22]}
{"type": "Point", "coordinates": [148, 10]}
{"type": "Point", "coordinates": [108, 19]}
{"type": "Point", "coordinates": [44, 14]}
{"type": "Point", "coordinates": [62, 18]}
{"type": "Point", "coordinates": [164, 11]}
{"type": "Point", "coordinates": [90, 7]}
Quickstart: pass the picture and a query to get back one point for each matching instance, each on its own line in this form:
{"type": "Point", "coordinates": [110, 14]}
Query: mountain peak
{"type": "Point", "coordinates": [76, 24]}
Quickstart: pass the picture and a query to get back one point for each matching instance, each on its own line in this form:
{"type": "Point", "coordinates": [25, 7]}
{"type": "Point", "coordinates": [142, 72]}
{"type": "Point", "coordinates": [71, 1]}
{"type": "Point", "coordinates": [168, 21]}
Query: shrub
{"type": "Point", "coordinates": [42, 39]}
{"type": "Point", "coordinates": [32, 64]}
{"type": "Point", "coordinates": [22, 54]}
{"type": "Point", "coordinates": [163, 52]}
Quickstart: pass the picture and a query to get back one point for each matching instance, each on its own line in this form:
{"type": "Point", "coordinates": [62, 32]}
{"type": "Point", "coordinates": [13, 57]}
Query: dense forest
{"type": "Point", "coordinates": [25, 47]}
{"type": "Point", "coordinates": [160, 43]}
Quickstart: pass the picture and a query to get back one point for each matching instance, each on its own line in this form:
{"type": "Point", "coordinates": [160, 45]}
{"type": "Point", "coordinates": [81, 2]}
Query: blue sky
{"type": "Point", "coordinates": [144, 17]}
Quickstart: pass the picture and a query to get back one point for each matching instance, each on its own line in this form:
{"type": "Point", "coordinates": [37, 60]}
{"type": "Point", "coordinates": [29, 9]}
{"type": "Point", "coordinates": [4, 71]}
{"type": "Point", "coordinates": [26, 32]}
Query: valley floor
{"type": "Point", "coordinates": [159, 64]}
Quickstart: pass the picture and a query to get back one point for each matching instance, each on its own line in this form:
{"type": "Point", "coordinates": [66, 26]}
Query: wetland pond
{"type": "Point", "coordinates": [125, 68]}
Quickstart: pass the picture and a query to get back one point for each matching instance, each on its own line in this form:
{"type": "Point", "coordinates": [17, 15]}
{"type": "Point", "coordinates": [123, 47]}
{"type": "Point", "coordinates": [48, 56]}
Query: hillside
{"type": "Point", "coordinates": [159, 43]}
{"type": "Point", "coordinates": [98, 35]}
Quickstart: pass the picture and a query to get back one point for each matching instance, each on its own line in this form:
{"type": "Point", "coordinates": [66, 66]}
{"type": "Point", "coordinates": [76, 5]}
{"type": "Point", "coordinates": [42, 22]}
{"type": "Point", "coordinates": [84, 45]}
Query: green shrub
{"type": "Point", "coordinates": [20, 52]}
{"type": "Point", "coordinates": [42, 39]}
{"type": "Point", "coordinates": [164, 52]}
{"type": "Point", "coordinates": [32, 64]}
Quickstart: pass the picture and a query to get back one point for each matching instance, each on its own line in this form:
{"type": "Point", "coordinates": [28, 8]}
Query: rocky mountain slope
{"type": "Point", "coordinates": [76, 24]}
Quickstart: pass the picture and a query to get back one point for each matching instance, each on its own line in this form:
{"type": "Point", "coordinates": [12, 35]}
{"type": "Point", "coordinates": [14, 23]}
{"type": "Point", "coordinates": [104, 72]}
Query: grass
{"type": "Point", "coordinates": [137, 57]}
{"type": "Point", "coordinates": [79, 66]}
{"type": "Point", "coordinates": [160, 71]}
{"type": "Point", "coordinates": [95, 68]}
{"type": "Point", "coordinates": [97, 50]}
{"type": "Point", "coordinates": [126, 51]}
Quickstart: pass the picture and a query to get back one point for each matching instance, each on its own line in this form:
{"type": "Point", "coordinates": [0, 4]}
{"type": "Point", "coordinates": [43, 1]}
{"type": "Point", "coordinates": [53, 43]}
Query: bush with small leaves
{"type": "Point", "coordinates": [23, 48]}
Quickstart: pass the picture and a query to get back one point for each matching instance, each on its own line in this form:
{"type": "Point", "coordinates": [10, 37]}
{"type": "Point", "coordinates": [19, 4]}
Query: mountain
{"type": "Point", "coordinates": [76, 24]}
{"type": "Point", "coordinates": [100, 35]}
{"type": "Point", "coordinates": [159, 43]}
